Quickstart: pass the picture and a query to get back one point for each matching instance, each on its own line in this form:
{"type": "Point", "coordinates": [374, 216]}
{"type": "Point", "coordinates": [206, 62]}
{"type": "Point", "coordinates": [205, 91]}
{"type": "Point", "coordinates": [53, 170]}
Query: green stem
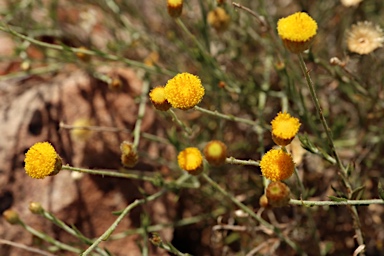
{"type": "Point", "coordinates": [232, 160]}
{"type": "Point", "coordinates": [159, 227]}
{"type": "Point", "coordinates": [104, 55]}
{"type": "Point", "coordinates": [34, 71]}
{"type": "Point", "coordinates": [246, 209]}
{"type": "Point", "coordinates": [114, 225]}
{"type": "Point", "coordinates": [320, 112]}
{"type": "Point", "coordinates": [50, 239]}
{"type": "Point", "coordinates": [109, 173]}
{"type": "Point", "coordinates": [24, 247]}
{"type": "Point", "coordinates": [49, 216]}
{"type": "Point", "coordinates": [208, 58]}
{"type": "Point", "coordinates": [140, 115]}
{"type": "Point", "coordinates": [124, 213]}
{"type": "Point", "coordinates": [180, 123]}
{"type": "Point", "coordinates": [228, 117]}
{"type": "Point", "coordinates": [112, 129]}
{"type": "Point", "coordinates": [344, 202]}
{"type": "Point", "coordinates": [343, 173]}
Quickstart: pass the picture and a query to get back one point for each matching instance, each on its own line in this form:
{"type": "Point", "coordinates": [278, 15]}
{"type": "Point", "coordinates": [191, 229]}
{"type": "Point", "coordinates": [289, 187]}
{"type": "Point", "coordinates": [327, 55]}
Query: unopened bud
{"type": "Point", "coordinates": [11, 216]}
{"type": "Point", "coordinates": [36, 208]}
{"type": "Point", "coordinates": [278, 194]}
{"type": "Point", "coordinates": [129, 157]}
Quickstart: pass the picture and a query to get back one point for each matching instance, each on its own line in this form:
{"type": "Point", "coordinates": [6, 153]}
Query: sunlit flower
{"type": "Point", "coordinates": [215, 152]}
{"type": "Point", "coordinates": [41, 160]}
{"type": "Point", "coordinates": [175, 7]}
{"type": "Point", "coordinates": [81, 133]}
{"type": "Point", "coordinates": [349, 3]}
{"type": "Point", "coordinates": [184, 91]}
{"type": "Point", "coordinates": [129, 156]}
{"type": "Point", "coordinates": [297, 31]}
{"type": "Point", "coordinates": [284, 128]}
{"type": "Point", "coordinates": [157, 97]}
{"type": "Point", "coordinates": [218, 19]}
{"type": "Point", "coordinates": [191, 160]}
{"type": "Point", "coordinates": [364, 37]}
{"type": "Point", "coordinates": [278, 194]}
{"type": "Point", "coordinates": [277, 165]}
{"type": "Point", "coordinates": [11, 216]}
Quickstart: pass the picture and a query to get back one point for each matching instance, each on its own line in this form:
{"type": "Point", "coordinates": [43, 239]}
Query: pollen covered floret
{"type": "Point", "coordinates": [184, 91]}
{"type": "Point", "coordinates": [157, 97]}
{"type": "Point", "coordinates": [41, 160]}
{"type": "Point", "coordinates": [277, 165]}
{"type": "Point", "coordinates": [191, 160]}
{"type": "Point", "coordinates": [284, 128]}
{"type": "Point", "coordinates": [297, 31]}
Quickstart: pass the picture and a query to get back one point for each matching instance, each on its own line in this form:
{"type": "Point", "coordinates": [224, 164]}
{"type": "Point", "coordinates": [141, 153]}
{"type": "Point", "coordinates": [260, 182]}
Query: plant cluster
{"type": "Point", "coordinates": [273, 90]}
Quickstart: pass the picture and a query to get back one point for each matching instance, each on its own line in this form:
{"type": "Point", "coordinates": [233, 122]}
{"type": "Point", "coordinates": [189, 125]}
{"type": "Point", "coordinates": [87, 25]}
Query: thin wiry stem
{"type": "Point", "coordinates": [104, 55]}
{"type": "Point", "coordinates": [251, 213]}
{"type": "Point", "coordinates": [342, 202]}
{"type": "Point", "coordinates": [343, 172]}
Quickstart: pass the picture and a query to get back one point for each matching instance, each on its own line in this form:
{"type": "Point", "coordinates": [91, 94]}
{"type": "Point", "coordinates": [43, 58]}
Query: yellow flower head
{"type": "Point", "coordinates": [364, 38]}
{"type": "Point", "coordinates": [41, 160]}
{"type": "Point", "coordinates": [157, 96]}
{"type": "Point", "coordinates": [184, 91]}
{"type": "Point", "coordinates": [297, 31]}
{"type": "Point", "coordinates": [218, 19]}
{"type": "Point", "coordinates": [191, 160]}
{"type": "Point", "coordinates": [284, 128]}
{"type": "Point", "coordinates": [129, 156]}
{"type": "Point", "coordinates": [175, 7]}
{"type": "Point", "coordinates": [80, 133]}
{"type": "Point", "coordinates": [215, 152]}
{"type": "Point", "coordinates": [277, 165]}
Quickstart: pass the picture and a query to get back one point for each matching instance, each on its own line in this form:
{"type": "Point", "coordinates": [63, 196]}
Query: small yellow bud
{"type": "Point", "coordinates": [83, 56]}
{"type": "Point", "coordinates": [11, 217]}
{"type": "Point", "coordinates": [157, 97]}
{"type": "Point", "coordinates": [215, 152]}
{"type": "Point", "coordinates": [36, 208]}
{"type": "Point", "coordinates": [115, 84]}
{"type": "Point", "coordinates": [175, 8]}
{"type": "Point", "coordinates": [278, 194]}
{"type": "Point", "coordinates": [263, 201]}
{"type": "Point", "coordinates": [219, 19]}
{"type": "Point", "coordinates": [129, 157]}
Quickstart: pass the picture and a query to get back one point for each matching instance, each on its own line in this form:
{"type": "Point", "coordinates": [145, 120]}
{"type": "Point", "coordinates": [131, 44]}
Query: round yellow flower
{"type": "Point", "coordinates": [191, 160]}
{"type": "Point", "coordinates": [215, 152]}
{"type": "Point", "coordinates": [297, 31]}
{"type": "Point", "coordinates": [184, 91]}
{"type": "Point", "coordinates": [157, 97]}
{"type": "Point", "coordinates": [129, 156]}
{"type": "Point", "coordinates": [277, 165]}
{"type": "Point", "coordinates": [41, 160]}
{"type": "Point", "coordinates": [284, 128]}
{"type": "Point", "coordinates": [175, 7]}
{"type": "Point", "coordinates": [218, 19]}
